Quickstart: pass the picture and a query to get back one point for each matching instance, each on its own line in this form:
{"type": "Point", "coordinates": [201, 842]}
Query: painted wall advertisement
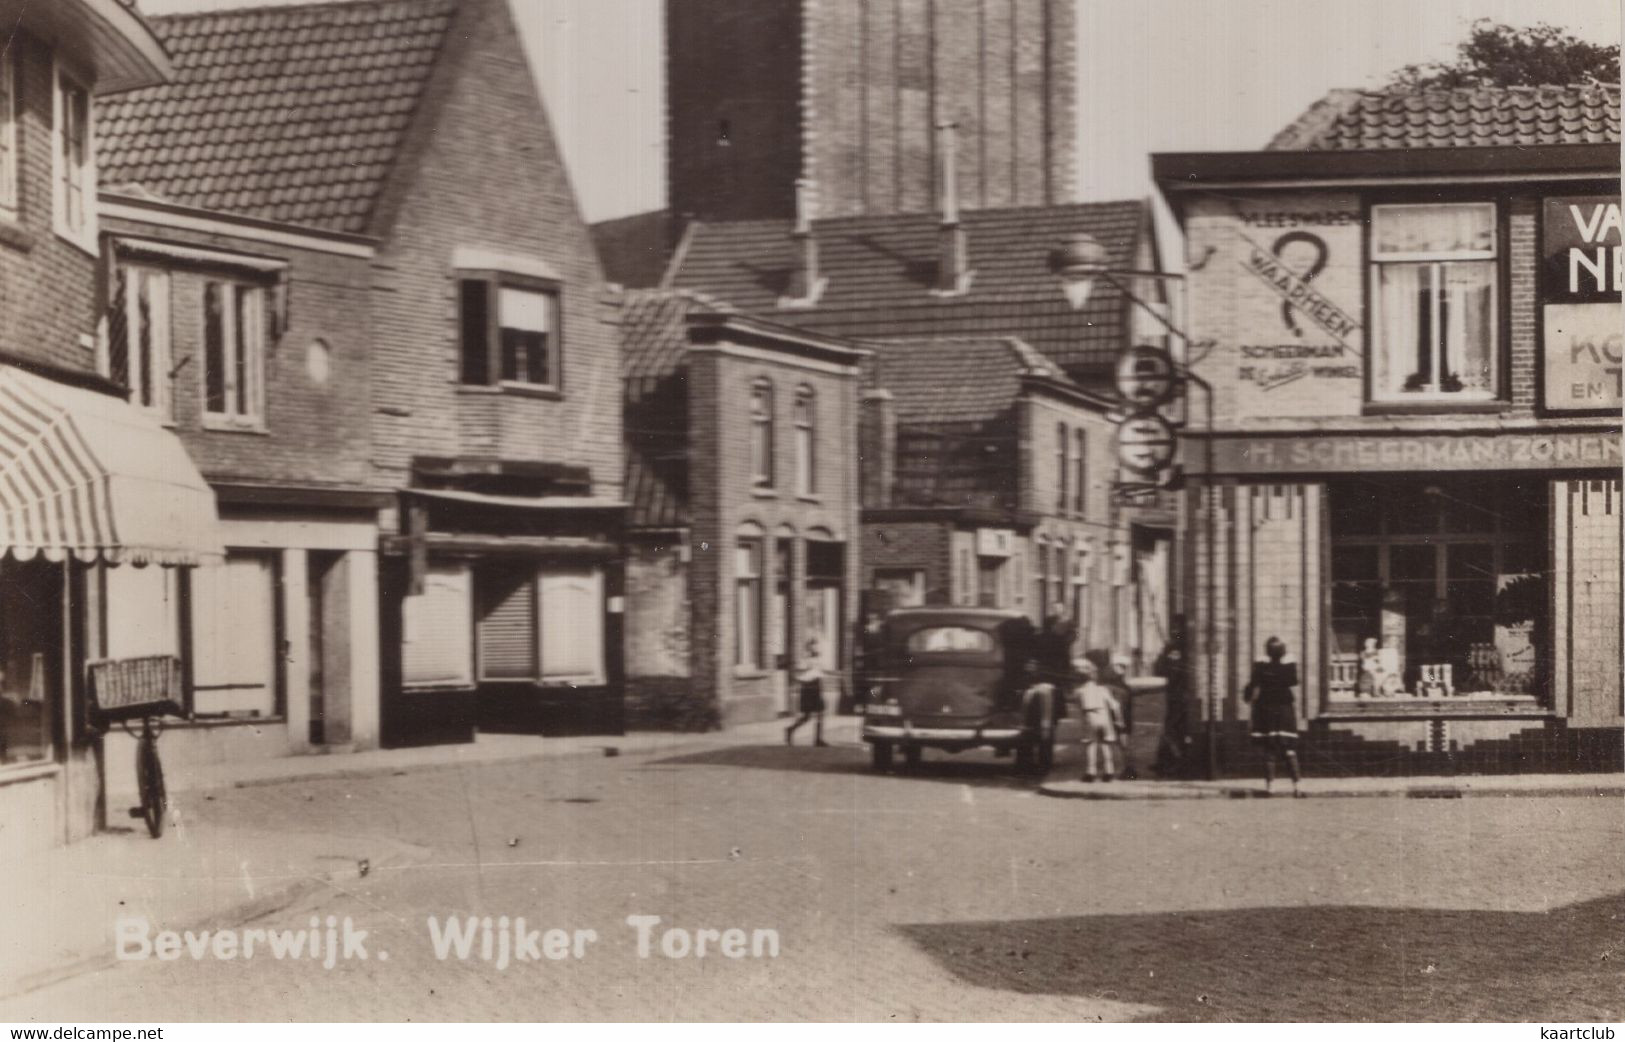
{"type": "Point", "coordinates": [1293, 289]}
{"type": "Point", "coordinates": [1580, 284]}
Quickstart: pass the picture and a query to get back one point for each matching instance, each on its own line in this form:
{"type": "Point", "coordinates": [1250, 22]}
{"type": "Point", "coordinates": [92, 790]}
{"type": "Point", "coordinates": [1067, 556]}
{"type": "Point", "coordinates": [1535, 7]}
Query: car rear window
{"type": "Point", "coordinates": [938, 639]}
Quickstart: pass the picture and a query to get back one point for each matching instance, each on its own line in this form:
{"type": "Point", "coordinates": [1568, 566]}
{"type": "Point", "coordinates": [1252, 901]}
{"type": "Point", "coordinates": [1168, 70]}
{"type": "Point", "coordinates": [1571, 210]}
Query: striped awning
{"type": "Point", "coordinates": [88, 475]}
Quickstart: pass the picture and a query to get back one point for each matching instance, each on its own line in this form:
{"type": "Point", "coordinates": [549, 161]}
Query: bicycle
{"type": "Point", "coordinates": [145, 689]}
{"type": "Point", "coordinates": [149, 776]}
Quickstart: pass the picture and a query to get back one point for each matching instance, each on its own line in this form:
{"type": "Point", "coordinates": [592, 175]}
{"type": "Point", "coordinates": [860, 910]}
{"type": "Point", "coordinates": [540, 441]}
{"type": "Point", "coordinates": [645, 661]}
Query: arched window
{"type": "Point", "coordinates": [806, 419]}
{"type": "Point", "coordinates": [761, 434]}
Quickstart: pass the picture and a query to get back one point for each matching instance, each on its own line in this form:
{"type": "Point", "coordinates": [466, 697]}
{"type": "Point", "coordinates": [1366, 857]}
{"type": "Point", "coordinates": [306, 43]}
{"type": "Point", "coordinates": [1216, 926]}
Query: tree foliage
{"type": "Point", "coordinates": [1499, 55]}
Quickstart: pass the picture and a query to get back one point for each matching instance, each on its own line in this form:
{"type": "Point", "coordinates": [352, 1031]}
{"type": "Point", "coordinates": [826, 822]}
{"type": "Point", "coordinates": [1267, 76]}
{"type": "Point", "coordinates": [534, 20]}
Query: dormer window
{"type": "Point", "coordinates": [73, 166]}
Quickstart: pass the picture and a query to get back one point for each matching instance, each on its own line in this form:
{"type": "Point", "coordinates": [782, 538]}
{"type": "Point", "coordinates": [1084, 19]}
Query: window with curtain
{"type": "Point", "coordinates": [806, 442]}
{"type": "Point", "coordinates": [748, 603]}
{"type": "Point", "coordinates": [1434, 328]}
{"type": "Point", "coordinates": [509, 331]}
{"type": "Point", "coordinates": [761, 434]}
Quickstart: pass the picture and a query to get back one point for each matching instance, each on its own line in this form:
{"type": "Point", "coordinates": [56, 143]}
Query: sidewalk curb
{"type": "Point", "coordinates": [275, 898]}
{"type": "Point", "coordinates": [1119, 792]}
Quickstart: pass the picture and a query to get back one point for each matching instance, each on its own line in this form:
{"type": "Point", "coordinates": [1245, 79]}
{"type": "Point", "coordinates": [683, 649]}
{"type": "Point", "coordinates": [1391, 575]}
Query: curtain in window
{"type": "Point", "coordinates": [1403, 308]}
{"type": "Point", "coordinates": [1436, 229]}
{"type": "Point", "coordinates": [234, 635]}
{"type": "Point", "coordinates": [1466, 311]}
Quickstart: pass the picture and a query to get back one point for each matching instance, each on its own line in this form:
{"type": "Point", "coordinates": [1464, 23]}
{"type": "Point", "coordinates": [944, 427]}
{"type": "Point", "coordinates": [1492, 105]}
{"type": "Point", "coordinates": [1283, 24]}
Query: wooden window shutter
{"type": "Point", "coordinates": [437, 647]}
{"type": "Point", "coordinates": [475, 311]}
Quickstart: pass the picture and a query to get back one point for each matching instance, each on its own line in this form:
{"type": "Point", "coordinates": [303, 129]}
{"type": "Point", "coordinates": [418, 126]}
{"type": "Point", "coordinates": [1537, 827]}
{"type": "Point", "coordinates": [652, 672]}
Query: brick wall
{"type": "Point", "coordinates": [480, 169]}
{"type": "Point", "coordinates": [734, 66]}
{"type": "Point", "coordinates": [848, 94]}
{"type": "Point", "coordinates": [47, 284]}
{"type": "Point", "coordinates": [913, 545]}
{"type": "Point", "coordinates": [722, 501]}
{"type": "Point", "coordinates": [316, 429]}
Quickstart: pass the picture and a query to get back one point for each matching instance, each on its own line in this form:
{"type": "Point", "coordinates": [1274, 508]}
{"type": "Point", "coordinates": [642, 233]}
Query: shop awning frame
{"type": "Point", "coordinates": [88, 476]}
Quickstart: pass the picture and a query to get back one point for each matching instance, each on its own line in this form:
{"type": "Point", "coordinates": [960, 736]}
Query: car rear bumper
{"type": "Point", "coordinates": [956, 735]}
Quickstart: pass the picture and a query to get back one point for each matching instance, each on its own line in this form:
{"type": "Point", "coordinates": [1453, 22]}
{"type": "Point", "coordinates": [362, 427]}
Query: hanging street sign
{"type": "Point", "coordinates": [1145, 377]}
{"type": "Point", "coordinates": [1145, 444]}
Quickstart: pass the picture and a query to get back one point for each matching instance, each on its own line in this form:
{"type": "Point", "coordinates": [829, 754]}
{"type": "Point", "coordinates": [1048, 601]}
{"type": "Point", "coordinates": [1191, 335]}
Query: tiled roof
{"type": "Point", "coordinates": [654, 338]}
{"type": "Point", "coordinates": [287, 113]}
{"type": "Point", "coordinates": [956, 431]}
{"type": "Point", "coordinates": [1467, 117]}
{"type": "Point", "coordinates": [880, 271]}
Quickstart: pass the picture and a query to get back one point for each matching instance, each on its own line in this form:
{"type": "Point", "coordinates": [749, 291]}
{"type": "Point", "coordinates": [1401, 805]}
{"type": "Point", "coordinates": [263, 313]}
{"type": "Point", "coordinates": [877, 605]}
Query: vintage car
{"type": "Point", "coordinates": [956, 679]}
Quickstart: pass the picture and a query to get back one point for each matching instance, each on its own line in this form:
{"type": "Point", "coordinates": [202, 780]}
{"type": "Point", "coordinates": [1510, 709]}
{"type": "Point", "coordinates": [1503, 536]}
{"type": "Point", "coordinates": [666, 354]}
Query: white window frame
{"type": "Point", "coordinates": [84, 234]}
{"type": "Point", "coordinates": [162, 405]}
{"type": "Point", "coordinates": [551, 309]}
{"type": "Point", "coordinates": [9, 166]}
{"type": "Point", "coordinates": [253, 367]}
{"type": "Point", "coordinates": [749, 654]}
{"type": "Point", "coordinates": [1439, 260]}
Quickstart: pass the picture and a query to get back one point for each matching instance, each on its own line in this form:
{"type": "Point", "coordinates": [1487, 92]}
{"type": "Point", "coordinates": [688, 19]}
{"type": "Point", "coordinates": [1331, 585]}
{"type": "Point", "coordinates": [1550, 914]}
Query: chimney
{"type": "Point", "coordinates": [877, 448]}
{"type": "Point", "coordinates": [806, 285]}
{"type": "Point", "coordinates": [953, 262]}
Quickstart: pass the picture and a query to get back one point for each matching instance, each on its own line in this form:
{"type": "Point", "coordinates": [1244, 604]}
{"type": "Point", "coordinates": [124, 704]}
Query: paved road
{"type": "Point", "coordinates": [951, 893]}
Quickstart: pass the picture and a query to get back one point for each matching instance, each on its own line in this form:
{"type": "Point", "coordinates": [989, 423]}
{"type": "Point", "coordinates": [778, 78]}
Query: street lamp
{"type": "Point", "coordinates": [1077, 264]}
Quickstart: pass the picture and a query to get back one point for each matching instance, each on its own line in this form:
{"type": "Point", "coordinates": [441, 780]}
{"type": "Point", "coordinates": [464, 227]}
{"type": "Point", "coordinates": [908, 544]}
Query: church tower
{"type": "Point", "coordinates": [847, 93]}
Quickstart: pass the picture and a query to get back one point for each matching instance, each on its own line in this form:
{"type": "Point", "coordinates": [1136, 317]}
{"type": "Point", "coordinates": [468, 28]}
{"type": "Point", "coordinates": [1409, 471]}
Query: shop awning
{"type": "Point", "coordinates": [89, 475]}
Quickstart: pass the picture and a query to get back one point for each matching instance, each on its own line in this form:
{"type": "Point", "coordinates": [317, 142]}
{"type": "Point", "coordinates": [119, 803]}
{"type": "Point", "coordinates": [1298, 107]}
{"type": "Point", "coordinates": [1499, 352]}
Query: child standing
{"type": "Point", "coordinates": [810, 681]}
{"type": "Point", "coordinates": [1102, 717]}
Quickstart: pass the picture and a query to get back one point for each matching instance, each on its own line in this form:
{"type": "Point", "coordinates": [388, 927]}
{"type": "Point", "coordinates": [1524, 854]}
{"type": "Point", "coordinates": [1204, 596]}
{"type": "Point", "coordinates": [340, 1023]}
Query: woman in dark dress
{"type": "Point", "coordinates": [1275, 711]}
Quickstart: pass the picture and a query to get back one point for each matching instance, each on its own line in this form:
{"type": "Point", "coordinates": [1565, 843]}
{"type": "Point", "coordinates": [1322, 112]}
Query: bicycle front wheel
{"type": "Point", "coordinates": [149, 779]}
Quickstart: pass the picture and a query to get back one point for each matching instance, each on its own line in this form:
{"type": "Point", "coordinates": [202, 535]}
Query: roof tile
{"type": "Point", "coordinates": [1467, 117]}
{"type": "Point", "coordinates": [264, 113]}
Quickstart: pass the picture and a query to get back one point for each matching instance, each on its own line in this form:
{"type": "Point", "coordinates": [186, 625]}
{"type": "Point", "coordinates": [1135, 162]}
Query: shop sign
{"type": "Point", "coordinates": [1580, 283]}
{"type": "Point", "coordinates": [1510, 451]}
{"type": "Point", "coordinates": [1145, 444]}
{"type": "Point", "coordinates": [1145, 377]}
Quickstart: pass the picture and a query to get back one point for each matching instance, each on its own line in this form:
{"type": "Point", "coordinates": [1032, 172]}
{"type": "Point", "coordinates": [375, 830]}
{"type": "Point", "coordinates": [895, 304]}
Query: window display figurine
{"type": "Point", "coordinates": [1369, 684]}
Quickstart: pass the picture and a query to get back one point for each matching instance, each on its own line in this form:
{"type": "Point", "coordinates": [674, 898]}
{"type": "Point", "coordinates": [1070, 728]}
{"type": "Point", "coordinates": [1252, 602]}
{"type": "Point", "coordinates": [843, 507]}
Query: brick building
{"type": "Point", "coordinates": [490, 402]}
{"type": "Point", "coordinates": [742, 472]}
{"type": "Point", "coordinates": [101, 511]}
{"type": "Point", "coordinates": [1413, 307]}
{"type": "Point", "coordinates": [250, 339]}
{"type": "Point", "coordinates": [988, 482]}
{"type": "Point", "coordinates": [978, 283]}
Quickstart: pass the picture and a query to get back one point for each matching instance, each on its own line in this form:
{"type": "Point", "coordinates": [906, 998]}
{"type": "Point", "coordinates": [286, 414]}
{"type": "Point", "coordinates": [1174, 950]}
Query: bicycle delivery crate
{"type": "Point", "coordinates": [133, 688]}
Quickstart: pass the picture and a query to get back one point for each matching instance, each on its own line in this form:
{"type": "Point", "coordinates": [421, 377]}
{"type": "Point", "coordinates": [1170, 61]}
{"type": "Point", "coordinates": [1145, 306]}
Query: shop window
{"type": "Point", "coordinates": [1445, 594]}
{"type": "Point", "coordinates": [510, 331]}
{"type": "Point", "coordinates": [30, 653]}
{"type": "Point", "coordinates": [748, 603]}
{"type": "Point", "coordinates": [1433, 277]}
{"type": "Point", "coordinates": [233, 354]}
{"type": "Point", "coordinates": [235, 636]}
{"type": "Point", "coordinates": [138, 337]}
{"type": "Point", "coordinates": [761, 434]}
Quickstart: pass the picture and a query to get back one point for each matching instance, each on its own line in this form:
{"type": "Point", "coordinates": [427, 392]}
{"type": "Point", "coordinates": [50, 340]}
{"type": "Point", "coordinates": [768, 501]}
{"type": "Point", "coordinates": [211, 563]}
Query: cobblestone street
{"type": "Point", "coordinates": [951, 893]}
